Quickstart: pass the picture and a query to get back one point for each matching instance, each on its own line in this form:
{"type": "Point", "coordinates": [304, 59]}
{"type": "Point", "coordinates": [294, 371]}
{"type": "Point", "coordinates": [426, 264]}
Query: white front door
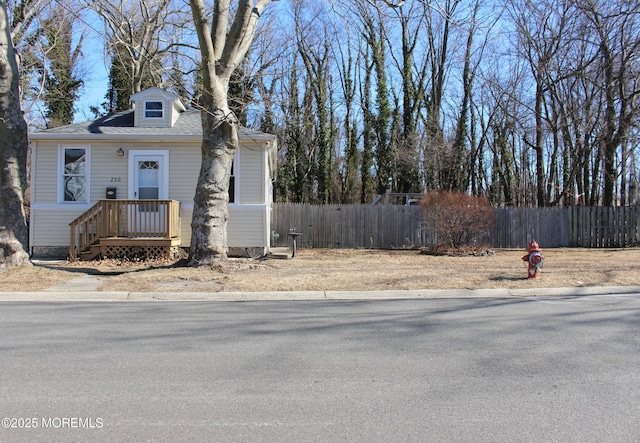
{"type": "Point", "coordinates": [148, 175]}
{"type": "Point", "coordinates": [148, 180]}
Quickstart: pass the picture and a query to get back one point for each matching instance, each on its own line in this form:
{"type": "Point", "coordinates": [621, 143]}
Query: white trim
{"type": "Point", "coordinates": [60, 174]}
{"type": "Point", "coordinates": [268, 193]}
{"type": "Point", "coordinates": [32, 193]}
{"type": "Point", "coordinates": [164, 153]}
{"type": "Point", "coordinates": [56, 206]}
{"type": "Point", "coordinates": [266, 177]}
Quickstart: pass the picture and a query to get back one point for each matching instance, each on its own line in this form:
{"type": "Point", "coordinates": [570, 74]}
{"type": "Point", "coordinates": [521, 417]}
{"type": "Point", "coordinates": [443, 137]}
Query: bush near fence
{"type": "Point", "coordinates": [398, 227]}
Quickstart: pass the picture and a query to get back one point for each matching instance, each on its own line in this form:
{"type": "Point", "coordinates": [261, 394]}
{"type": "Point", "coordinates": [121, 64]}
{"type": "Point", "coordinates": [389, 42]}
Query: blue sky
{"type": "Point", "coordinates": [93, 66]}
{"type": "Point", "coordinates": [94, 90]}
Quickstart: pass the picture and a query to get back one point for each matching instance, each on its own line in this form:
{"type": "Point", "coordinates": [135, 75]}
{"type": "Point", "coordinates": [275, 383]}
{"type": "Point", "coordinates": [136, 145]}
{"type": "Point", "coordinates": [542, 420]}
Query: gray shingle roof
{"type": "Point", "coordinates": [187, 125]}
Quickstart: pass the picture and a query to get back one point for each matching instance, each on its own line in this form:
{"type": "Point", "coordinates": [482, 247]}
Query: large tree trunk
{"type": "Point", "coordinates": [222, 48]}
{"type": "Point", "coordinates": [13, 155]}
{"type": "Point", "coordinates": [210, 211]}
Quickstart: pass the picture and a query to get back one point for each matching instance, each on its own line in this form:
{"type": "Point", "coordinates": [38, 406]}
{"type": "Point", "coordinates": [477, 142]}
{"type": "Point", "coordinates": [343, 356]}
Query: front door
{"type": "Point", "coordinates": [148, 180]}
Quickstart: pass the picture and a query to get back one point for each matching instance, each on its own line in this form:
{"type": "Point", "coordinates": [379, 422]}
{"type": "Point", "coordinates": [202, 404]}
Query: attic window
{"type": "Point", "coordinates": [153, 109]}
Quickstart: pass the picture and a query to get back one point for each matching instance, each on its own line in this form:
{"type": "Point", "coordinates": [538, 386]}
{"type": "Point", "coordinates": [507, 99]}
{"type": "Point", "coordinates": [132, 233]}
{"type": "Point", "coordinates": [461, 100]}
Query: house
{"type": "Point", "coordinates": [125, 183]}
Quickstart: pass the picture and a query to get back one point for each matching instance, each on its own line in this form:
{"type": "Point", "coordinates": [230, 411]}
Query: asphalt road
{"type": "Point", "coordinates": [481, 370]}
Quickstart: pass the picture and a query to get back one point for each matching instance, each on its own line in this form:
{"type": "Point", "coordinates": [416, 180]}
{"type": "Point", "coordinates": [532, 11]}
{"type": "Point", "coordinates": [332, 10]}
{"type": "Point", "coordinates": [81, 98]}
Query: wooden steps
{"type": "Point", "coordinates": [126, 228]}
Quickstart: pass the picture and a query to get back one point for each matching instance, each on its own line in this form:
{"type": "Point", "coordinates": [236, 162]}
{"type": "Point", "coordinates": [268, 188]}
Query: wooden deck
{"type": "Point", "coordinates": [126, 229]}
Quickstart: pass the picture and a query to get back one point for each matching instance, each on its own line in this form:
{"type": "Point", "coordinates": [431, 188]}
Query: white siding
{"type": "Point", "coordinates": [248, 227]}
{"type": "Point", "coordinates": [185, 225]}
{"type": "Point", "coordinates": [141, 121]}
{"type": "Point", "coordinates": [251, 177]}
{"type": "Point", "coordinates": [52, 225]}
{"type": "Point", "coordinates": [184, 167]}
{"type": "Point", "coordinates": [45, 168]}
{"type": "Point", "coordinates": [108, 171]}
{"type": "Point", "coordinates": [171, 108]}
{"type": "Point", "coordinates": [175, 113]}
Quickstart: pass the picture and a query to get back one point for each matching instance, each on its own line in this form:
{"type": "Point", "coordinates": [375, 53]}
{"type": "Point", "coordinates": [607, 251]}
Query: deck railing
{"type": "Point", "coordinates": [124, 218]}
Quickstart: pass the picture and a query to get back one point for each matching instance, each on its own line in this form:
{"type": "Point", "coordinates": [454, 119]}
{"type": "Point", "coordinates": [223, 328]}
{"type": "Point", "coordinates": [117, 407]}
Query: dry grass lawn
{"type": "Point", "coordinates": [349, 270]}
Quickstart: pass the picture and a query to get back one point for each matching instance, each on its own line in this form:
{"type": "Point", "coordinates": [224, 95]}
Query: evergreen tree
{"type": "Point", "coordinates": [384, 151]}
{"type": "Point", "coordinates": [61, 85]}
{"type": "Point", "coordinates": [241, 92]}
{"type": "Point", "coordinates": [119, 90]}
{"type": "Point", "coordinates": [366, 165]}
{"type": "Point", "coordinates": [121, 80]}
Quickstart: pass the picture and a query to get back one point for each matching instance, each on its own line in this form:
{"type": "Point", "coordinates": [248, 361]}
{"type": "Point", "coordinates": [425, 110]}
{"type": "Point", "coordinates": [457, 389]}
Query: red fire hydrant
{"type": "Point", "coordinates": [534, 258]}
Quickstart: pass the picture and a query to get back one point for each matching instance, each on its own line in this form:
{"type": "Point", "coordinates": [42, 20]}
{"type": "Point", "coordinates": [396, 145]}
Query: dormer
{"type": "Point", "coordinates": [156, 108]}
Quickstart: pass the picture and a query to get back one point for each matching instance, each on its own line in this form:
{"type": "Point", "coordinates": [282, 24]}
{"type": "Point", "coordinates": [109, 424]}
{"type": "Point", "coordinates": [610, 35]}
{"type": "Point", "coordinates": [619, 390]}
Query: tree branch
{"type": "Point", "coordinates": [240, 35]}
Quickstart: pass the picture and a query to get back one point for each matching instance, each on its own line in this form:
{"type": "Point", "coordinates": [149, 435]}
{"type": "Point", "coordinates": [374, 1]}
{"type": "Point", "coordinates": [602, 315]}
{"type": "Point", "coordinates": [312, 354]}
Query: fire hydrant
{"type": "Point", "coordinates": [534, 258]}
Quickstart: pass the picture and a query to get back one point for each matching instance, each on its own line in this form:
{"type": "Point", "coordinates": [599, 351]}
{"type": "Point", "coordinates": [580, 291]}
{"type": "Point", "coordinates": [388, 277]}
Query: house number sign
{"type": "Point", "coordinates": [116, 179]}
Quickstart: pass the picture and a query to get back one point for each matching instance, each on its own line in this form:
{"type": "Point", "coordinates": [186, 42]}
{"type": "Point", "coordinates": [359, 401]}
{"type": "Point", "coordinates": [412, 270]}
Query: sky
{"type": "Point", "coordinates": [94, 90]}
{"type": "Point", "coordinates": [94, 67]}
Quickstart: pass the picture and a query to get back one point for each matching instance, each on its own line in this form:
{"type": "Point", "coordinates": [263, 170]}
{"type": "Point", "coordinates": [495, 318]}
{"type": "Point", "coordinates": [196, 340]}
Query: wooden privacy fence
{"type": "Point", "coordinates": [395, 226]}
{"type": "Point", "coordinates": [349, 226]}
{"type": "Point", "coordinates": [605, 227]}
{"type": "Point", "coordinates": [516, 227]}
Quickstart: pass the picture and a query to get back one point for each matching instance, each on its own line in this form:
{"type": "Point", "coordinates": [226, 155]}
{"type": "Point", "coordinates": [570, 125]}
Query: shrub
{"type": "Point", "coordinates": [457, 219]}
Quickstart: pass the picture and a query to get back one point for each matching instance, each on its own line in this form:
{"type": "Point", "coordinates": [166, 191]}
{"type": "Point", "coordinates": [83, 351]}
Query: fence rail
{"type": "Point", "coordinates": [395, 226]}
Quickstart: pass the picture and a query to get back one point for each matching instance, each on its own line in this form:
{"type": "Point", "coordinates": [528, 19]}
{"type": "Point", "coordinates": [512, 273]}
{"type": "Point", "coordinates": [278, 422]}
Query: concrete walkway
{"type": "Point", "coordinates": [86, 283]}
{"type": "Point", "coordinates": [75, 291]}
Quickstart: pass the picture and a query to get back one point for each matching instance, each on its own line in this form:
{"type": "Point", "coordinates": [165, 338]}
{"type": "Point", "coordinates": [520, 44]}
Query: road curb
{"type": "Point", "coordinates": [124, 296]}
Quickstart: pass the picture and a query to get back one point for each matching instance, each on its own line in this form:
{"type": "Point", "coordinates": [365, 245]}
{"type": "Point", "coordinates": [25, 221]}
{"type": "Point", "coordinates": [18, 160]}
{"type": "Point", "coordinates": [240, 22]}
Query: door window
{"type": "Point", "coordinates": [148, 180]}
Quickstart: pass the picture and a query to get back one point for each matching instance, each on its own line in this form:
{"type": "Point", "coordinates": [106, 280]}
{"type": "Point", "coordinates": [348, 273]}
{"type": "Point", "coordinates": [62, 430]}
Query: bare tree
{"type": "Point", "coordinates": [614, 33]}
{"type": "Point", "coordinates": [141, 33]}
{"type": "Point", "coordinates": [413, 90]}
{"type": "Point", "coordinates": [540, 27]}
{"type": "Point", "coordinates": [367, 182]}
{"type": "Point", "coordinates": [349, 166]}
{"type": "Point", "coordinates": [384, 152]}
{"type": "Point", "coordinates": [297, 154]}
{"type": "Point", "coordinates": [317, 60]}
{"type": "Point", "coordinates": [223, 44]}
{"type": "Point", "coordinates": [13, 154]}
{"type": "Point", "coordinates": [22, 14]}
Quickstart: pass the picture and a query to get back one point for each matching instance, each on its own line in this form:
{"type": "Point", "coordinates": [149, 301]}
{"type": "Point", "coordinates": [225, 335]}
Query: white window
{"type": "Point", "coordinates": [74, 174]}
{"type": "Point", "coordinates": [153, 109]}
